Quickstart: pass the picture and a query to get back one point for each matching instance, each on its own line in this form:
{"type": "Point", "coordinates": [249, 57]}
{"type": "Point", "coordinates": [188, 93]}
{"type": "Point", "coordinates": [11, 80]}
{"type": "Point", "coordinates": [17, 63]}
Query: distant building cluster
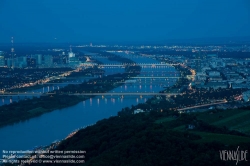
{"type": "Point", "coordinates": [32, 61]}
{"type": "Point", "coordinates": [39, 61]}
{"type": "Point", "coordinates": [214, 72]}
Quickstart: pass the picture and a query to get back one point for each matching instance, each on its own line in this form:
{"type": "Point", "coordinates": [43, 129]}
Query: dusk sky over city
{"type": "Point", "coordinates": [125, 82]}
{"type": "Point", "coordinates": [122, 21]}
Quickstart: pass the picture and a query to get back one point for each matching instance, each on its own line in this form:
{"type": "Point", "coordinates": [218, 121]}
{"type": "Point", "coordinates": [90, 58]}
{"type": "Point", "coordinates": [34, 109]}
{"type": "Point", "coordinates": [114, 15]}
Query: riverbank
{"type": "Point", "coordinates": [22, 110]}
{"type": "Point", "coordinates": [81, 74]}
{"type": "Point", "coordinates": [61, 122]}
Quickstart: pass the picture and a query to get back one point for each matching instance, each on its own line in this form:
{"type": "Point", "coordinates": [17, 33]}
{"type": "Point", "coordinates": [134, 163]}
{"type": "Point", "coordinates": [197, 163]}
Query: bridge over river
{"type": "Point", "coordinates": [139, 64]}
{"type": "Point", "coordinates": [93, 94]}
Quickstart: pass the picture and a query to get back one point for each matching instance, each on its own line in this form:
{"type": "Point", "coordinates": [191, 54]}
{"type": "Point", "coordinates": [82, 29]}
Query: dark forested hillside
{"type": "Point", "coordinates": [148, 139]}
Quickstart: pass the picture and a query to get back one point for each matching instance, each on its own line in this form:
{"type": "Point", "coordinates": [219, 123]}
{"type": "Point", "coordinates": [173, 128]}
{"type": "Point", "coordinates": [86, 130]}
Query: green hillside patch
{"type": "Point", "coordinates": [213, 116]}
{"type": "Point", "coordinates": [37, 110]}
{"type": "Point", "coordinates": [223, 138]}
{"type": "Point", "coordinates": [180, 128]}
{"type": "Point", "coordinates": [162, 120]}
{"type": "Point", "coordinates": [234, 119]}
{"type": "Point", "coordinates": [242, 127]}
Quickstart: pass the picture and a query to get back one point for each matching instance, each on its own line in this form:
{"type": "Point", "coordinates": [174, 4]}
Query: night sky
{"type": "Point", "coordinates": [122, 20]}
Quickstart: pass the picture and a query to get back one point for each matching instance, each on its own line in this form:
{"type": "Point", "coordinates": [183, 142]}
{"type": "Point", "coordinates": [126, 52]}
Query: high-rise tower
{"type": "Point", "coordinates": [199, 57]}
{"type": "Point", "coordinates": [12, 52]}
{"type": "Point", "coordinates": [71, 55]}
{"type": "Point", "coordinates": [2, 60]}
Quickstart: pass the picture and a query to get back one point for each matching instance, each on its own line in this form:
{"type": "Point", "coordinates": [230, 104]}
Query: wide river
{"type": "Point", "coordinates": [56, 125]}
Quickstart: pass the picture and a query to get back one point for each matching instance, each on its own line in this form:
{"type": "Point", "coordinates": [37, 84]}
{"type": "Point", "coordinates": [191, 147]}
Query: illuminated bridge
{"type": "Point", "coordinates": [140, 64]}
{"type": "Point", "coordinates": [94, 94]}
{"type": "Point", "coordinates": [124, 94]}
{"type": "Point", "coordinates": [137, 83]}
{"type": "Point", "coordinates": [24, 94]}
{"type": "Point", "coordinates": [152, 77]}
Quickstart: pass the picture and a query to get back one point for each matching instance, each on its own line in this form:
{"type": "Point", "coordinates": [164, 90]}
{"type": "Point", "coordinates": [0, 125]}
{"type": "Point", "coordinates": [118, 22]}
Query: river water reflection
{"type": "Point", "coordinates": [58, 124]}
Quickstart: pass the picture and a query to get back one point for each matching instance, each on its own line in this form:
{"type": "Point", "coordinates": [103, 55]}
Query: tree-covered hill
{"type": "Point", "coordinates": [148, 139]}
